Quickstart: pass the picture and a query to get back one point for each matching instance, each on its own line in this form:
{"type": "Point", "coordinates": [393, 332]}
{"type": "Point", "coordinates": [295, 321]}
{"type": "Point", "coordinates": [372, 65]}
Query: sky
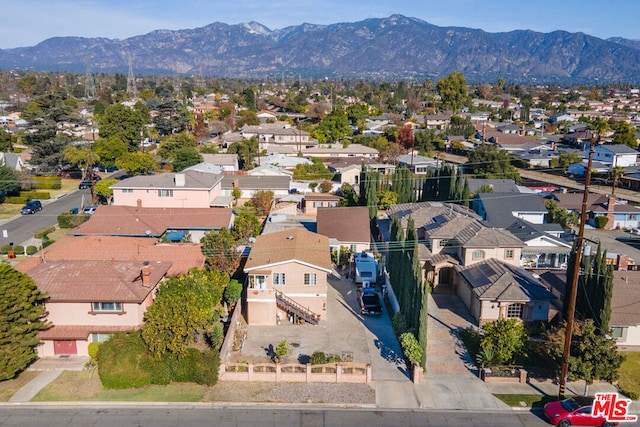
{"type": "Point", "coordinates": [28, 22]}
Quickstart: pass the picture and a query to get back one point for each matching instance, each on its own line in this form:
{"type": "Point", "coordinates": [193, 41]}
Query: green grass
{"type": "Point", "coordinates": [86, 386]}
{"type": "Point", "coordinates": [532, 400]}
{"type": "Point", "coordinates": [629, 373]}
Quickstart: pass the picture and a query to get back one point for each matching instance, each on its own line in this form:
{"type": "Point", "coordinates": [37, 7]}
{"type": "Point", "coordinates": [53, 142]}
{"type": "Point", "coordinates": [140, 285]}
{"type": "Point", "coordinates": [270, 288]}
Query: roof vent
{"type": "Point", "coordinates": [289, 237]}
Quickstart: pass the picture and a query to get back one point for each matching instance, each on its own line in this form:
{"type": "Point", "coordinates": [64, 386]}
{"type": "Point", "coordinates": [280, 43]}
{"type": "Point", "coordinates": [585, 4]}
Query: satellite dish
{"type": "Point", "coordinates": [148, 233]}
{"type": "Point", "coordinates": [252, 239]}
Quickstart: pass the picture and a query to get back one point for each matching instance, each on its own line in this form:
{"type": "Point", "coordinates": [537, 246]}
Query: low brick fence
{"type": "Point", "coordinates": [343, 372]}
{"type": "Point", "coordinates": [520, 376]}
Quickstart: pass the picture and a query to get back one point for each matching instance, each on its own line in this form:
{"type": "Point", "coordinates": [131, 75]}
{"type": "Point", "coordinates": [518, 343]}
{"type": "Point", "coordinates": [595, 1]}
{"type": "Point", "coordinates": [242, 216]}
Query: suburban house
{"type": "Point", "coordinates": [12, 161]}
{"type": "Point", "coordinates": [287, 278]}
{"type": "Point", "coordinates": [182, 256]}
{"type": "Point", "coordinates": [270, 170]}
{"type": "Point", "coordinates": [278, 134]}
{"type": "Point", "coordinates": [187, 189]}
{"type": "Point", "coordinates": [497, 185]}
{"type": "Point", "coordinates": [346, 173]}
{"type": "Point", "coordinates": [501, 209]}
{"type": "Point", "coordinates": [494, 290]}
{"type": "Point", "coordinates": [339, 150]}
{"type": "Point", "coordinates": [312, 202]}
{"type": "Point", "coordinates": [281, 160]}
{"type": "Point", "coordinates": [228, 162]}
{"type": "Point", "coordinates": [625, 310]}
{"type": "Point", "coordinates": [418, 164]}
{"type": "Point", "coordinates": [616, 155]}
{"type": "Point", "coordinates": [251, 184]}
{"type": "Point", "coordinates": [346, 227]}
{"type": "Point", "coordinates": [89, 300]}
{"type": "Point", "coordinates": [439, 121]}
{"type": "Point", "coordinates": [453, 236]}
{"type": "Point", "coordinates": [621, 214]}
{"type": "Point", "coordinates": [543, 246]}
{"type": "Point", "coordinates": [172, 224]}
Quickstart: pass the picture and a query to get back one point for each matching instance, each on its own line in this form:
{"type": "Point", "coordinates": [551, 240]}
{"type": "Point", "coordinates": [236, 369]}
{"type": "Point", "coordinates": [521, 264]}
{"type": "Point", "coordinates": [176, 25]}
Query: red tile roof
{"type": "Point", "coordinates": [78, 332]}
{"type": "Point", "coordinates": [183, 256]}
{"type": "Point", "coordinates": [96, 281]}
{"type": "Point", "coordinates": [112, 220]}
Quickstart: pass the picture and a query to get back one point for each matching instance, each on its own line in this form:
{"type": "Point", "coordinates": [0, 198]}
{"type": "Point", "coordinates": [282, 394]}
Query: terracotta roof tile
{"type": "Point", "coordinates": [78, 332]}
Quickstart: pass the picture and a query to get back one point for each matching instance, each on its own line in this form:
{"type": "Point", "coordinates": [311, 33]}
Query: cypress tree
{"type": "Point", "coordinates": [466, 193]}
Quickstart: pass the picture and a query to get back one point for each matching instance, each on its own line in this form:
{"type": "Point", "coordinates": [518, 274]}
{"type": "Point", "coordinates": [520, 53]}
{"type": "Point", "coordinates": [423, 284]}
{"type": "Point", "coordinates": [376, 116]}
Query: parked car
{"type": "Point", "coordinates": [635, 231]}
{"type": "Point", "coordinates": [574, 411]}
{"type": "Point", "coordinates": [88, 182]}
{"type": "Point", "coordinates": [89, 210]}
{"type": "Point", "coordinates": [31, 207]}
{"type": "Point", "coordinates": [370, 301]}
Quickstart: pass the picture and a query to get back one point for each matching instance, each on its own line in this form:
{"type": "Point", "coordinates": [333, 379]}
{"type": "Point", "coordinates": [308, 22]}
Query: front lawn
{"type": "Point", "coordinates": [629, 381]}
{"type": "Point", "coordinates": [9, 387]}
{"type": "Point", "coordinates": [531, 400]}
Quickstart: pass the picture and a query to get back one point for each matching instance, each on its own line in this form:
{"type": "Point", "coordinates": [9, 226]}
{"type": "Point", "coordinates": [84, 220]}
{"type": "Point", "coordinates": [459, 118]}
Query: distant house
{"type": "Point", "coordinates": [269, 170]}
{"type": "Point", "coordinates": [178, 224]}
{"type": "Point", "coordinates": [621, 214]}
{"type": "Point", "coordinates": [439, 121]}
{"type": "Point", "coordinates": [346, 227]}
{"type": "Point", "coordinates": [87, 301]}
{"type": "Point", "coordinates": [251, 184]}
{"type": "Point", "coordinates": [281, 160]}
{"type": "Point", "coordinates": [339, 150]}
{"type": "Point", "coordinates": [543, 246]}
{"type": "Point", "coordinates": [494, 290]}
{"type": "Point", "coordinates": [346, 173]}
{"type": "Point", "coordinates": [228, 162]}
{"type": "Point", "coordinates": [616, 155]}
{"type": "Point", "coordinates": [500, 209]}
{"type": "Point", "coordinates": [312, 202]}
{"type": "Point", "coordinates": [12, 161]}
{"type": "Point", "coordinates": [625, 310]}
{"type": "Point", "coordinates": [187, 189]}
{"type": "Point", "coordinates": [287, 278]}
{"type": "Point", "coordinates": [278, 134]}
{"type": "Point", "coordinates": [497, 185]}
{"type": "Point", "coordinates": [418, 164]}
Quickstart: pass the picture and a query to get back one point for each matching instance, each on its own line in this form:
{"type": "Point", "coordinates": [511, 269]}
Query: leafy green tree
{"type": "Point", "coordinates": [21, 312]}
{"type": "Point", "coordinates": [173, 117]}
{"type": "Point", "coordinates": [124, 123]}
{"type": "Point", "coordinates": [103, 191]}
{"type": "Point", "coordinates": [8, 180]}
{"type": "Point", "coordinates": [79, 156]}
{"type": "Point", "coordinates": [349, 196]}
{"type": "Point", "coordinates": [453, 91]}
{"type": "Point", "coordinates": [186, 157]}
{"type": "Point", "coordinates": [316, 170]}
{"type": "Point", "coordinates": [592, 355]}
{"type": "Point", "coordinates": [245, 225]}
{"type": "Point", "coordinates": [233, 292]}
{"type": "Point", "coordinates": [248, 117]}
{"type": "Point", "coordinates": [31, 112]}
{"type": "Point", "coordinates": [246, 150]}
{"type": "Point", "coordinates": [386, 198]}
{"type": "Point", "coordinates": [333, 128]}
{"type": "Point", "coordinates": [564, 160]}
{"type": "Point", "coordinates": [282, 349]}
{"type": "Point", "coordinates": [507, 338]}
{"type": "Point", "coordinates": [136, 163]}
{"type": "Point", "coordinates": [6, 141]}
{"type": "Point", "coordinates": [558, 215]}
{"type": "Point", "coordinates": [219, 247]}
{"type": "Point", "coordinates": [167, 150]}
{"type": "Point", "coordinates": [186, 310]}
{"type": "Point", "coordinates": [108, 150]}
{"type": "Point", "coordinates": [488, 161]}
{"type": "Point", "coordinates": [626, 134]}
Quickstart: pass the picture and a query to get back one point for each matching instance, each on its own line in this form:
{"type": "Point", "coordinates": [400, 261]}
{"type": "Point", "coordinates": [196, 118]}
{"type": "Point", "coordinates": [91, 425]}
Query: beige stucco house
{"type": "Point", "coordinates": [187, 189]}
{"type": "Point", "coordinates": [287, 278]}
{"type": "Point", "coordinates": [89, 300]}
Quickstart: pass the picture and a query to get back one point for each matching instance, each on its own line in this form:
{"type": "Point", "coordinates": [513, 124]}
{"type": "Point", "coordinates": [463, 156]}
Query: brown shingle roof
{"type": "Point", "coordinates": [288, 245]}
{"type": "Point", "coordinates": [112, 220]}
{"type": "Point", "coordinates": [183, 256]}
{"type": "Point", "coordinates": [346, 224]}
{"type": "Point", "coordinates": [96, 281]}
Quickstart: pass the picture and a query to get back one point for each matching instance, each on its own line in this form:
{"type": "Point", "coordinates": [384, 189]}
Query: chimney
{"type": "Point", "coordinates": [179, 179]}
{"type": "Point", "coordinates": [623, 262]}
{"type": "Point", "coordinates": [611, 207]}
{"type": "Point", "coordinates": [146, 274]}
{"type": "Point", "coordinates": [138, 203]}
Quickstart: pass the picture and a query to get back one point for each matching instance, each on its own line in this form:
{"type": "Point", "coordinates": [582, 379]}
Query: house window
{"type": "Point", "coordinates": [278, 278]}
{"type": "Point", "coordinates": [616, 332]}
{"type": "Point", "coordinates": [309, 278]}
{"type": "Point", "coordinates": [514, 311]}
{"type": "Point", "coordinates": [508, 253]}
{"type": "Point", "coordinates": [478, 254]}
{"type": "Point", "coordinates": [354, 248]}
{"type": "Point", "coordinates": [127, 190]}
{"type": "Point", "coordinates": [107, 307]}
{"type": "Point", "coordinates": [165, 193]}
{"type": "Point", "coordinates": [99, 337]}
{"type": "Point", "coordinates": [445, 242]}
{"type": "Point", "coordinates": [317, 204]}
{"type": "Point", "coordinates": [258, 281]}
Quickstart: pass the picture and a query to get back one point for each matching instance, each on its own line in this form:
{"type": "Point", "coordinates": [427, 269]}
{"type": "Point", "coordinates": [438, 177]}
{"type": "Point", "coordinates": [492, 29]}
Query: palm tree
{"type": "Point", "coordinates": [616, 173]}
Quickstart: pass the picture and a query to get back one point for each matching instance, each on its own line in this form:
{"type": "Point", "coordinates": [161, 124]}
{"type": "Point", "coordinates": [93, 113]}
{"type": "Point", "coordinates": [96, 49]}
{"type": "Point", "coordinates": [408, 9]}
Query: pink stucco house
{"type": "Point", "coordinates": [287, 277]}
{"type": "Point", "coordinates": [89, 300]}
{"type": "Point", "coordinates": [187, 189]}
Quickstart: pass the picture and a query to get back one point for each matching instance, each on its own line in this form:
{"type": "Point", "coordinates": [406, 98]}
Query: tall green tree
{"type": "Point", "coordinates": [453, 91]}
{"type": "Point", "coordinates": [369, 186]}
{"type": "Point", "coordinates": [219, 247]}
{"type": "Point", "coordinates": [124, 123]}
{"type": "Point", "coordinates": [186, 157]}
{"type": "Point", "coordinates": [185, 311]}
{"type": "Point", "coordinates": [8, 180]}
{"type": "Point", "coordinates": [488, 161]}
{"type": "Point", "coordinates": [108, 150]}
{"type": "Point", "coordinates": [21, 312]}
{"type": "Point", "coordinates": [626, 134]}
{"type": "Point", "coordinates": [136, 163]}
{"type": "Point", "coordinates": [402, 184]}
{"type": "Point", "coordinates": [333, 128]}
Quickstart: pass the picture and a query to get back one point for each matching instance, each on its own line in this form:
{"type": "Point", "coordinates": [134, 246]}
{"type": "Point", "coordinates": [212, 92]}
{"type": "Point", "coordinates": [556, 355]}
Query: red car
{"type": "Point", "coordinates": [574, 411]}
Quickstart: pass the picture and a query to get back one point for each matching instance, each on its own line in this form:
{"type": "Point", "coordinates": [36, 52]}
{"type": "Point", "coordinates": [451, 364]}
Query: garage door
{"type": "Point", "coordinates": [64, 347]}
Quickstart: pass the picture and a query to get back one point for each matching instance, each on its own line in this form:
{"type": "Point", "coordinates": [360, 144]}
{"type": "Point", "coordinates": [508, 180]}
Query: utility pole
{"type": "Point", "coordinates": [564, 371]}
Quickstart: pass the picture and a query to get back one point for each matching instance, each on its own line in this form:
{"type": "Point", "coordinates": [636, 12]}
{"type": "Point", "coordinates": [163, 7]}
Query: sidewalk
{"type": "Point", "coordinates": [50, 368]}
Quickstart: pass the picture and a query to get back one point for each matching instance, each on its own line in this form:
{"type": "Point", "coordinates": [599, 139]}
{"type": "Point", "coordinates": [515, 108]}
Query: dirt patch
{"type": "Point", "coordinates": [9, 387]}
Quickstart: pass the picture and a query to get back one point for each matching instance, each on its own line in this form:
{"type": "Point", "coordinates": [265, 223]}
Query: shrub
{"type": "Point", "coordinates": [601, 221]}
{"type": "Point", "coordinates": [399, 323]}
{"type": "Point", "coordinates": [41, 233]}
{"type": "Point", "coordinates": [281, 351]}
{"type": "Point", "coordinates": [16, 200]}
{"type": "Point", "coordinates": [47, 182]}
{"type": "Point", "coordinates": [185, 369]}
{"type": "Point", "coordinates": [411, 348]}
{"type": "Point", "coordinates": [92, 349]}
{"type": "Point", "coordinates": [122, 360]}
{"type": "Point", "coordinates": [70, 220]}
{"type": "Point", "coordinates": [233, 292]}
{"type": "Point", "coordinates": [18, 249]}
{"type": "Point", "coordinates": [318, 358]}
{"type": "Point", "coordinates": [5, 249]}
{"type": "Point", "coordinates": [41, 195]}
{"type": "Point", "coordinates": [208, 366]}
{"type": "Point", "coordinates": [31, 250]}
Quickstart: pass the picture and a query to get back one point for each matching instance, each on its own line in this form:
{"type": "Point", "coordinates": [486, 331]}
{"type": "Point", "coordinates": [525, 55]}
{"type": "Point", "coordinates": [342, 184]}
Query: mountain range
{"type": "Point", "coordinates": [392, 48]}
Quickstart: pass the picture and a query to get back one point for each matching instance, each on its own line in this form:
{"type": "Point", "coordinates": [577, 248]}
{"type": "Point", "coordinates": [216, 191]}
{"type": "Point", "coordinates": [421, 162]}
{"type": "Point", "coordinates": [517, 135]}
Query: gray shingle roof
{"type": "Point", "coordinates": [499, 207]}
{"type": "Point", "coordinates": [193, 180]}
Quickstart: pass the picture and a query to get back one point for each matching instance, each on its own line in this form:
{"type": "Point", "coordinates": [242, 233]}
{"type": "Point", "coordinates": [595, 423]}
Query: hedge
{"type": "Point", "coordinates": [70, 220]}
{"type": "Point", "coordinates": [16, 200]}
{"type": "Point", "coordinates": [41, 233]}
{"type": "Point", "coordinates": [601, 221]}
{"type": "Point", "coordinates": [31, 250]}
{"type": "Point", "coordinates": [47, 182]}
{"type": "Point", "coordinates": [39, 195]}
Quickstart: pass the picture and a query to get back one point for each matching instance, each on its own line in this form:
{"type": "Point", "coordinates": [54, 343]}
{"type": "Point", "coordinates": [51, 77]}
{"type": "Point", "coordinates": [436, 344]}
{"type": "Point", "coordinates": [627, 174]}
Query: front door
{"type": "Point", "coordinates": [64, 347]}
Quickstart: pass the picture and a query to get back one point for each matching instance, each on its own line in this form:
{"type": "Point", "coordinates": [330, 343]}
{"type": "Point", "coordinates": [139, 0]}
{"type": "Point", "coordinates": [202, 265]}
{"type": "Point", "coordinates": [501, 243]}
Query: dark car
{"type": "Point", "coordinates": [574, 411]}
{"type": "Point", "coordinates": [370, 301]}
{"type": "Point", "coordinates": [31, 207]}
{"type": "Point", "coordinates": [88, 182]}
